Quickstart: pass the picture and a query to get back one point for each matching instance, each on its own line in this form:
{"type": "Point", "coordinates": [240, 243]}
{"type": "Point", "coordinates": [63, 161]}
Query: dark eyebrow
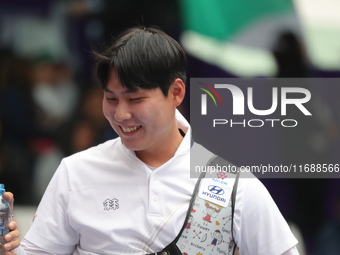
{"type": "Point", "coordinates": [128, 91]}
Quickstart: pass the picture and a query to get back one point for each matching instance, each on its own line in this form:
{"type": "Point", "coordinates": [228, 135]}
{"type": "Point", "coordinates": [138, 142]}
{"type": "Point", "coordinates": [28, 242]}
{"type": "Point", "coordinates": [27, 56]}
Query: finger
{"type": "Point", "coordinates": [12, 225]}
{"type": "Point", "coordinates": [10, 198]}
{"type": "Point", "coordinates": [12, 245]}
{"type": "Point", "coordinates": [11, 253]}
{"type": "Point", "coordinates": [12, 235]}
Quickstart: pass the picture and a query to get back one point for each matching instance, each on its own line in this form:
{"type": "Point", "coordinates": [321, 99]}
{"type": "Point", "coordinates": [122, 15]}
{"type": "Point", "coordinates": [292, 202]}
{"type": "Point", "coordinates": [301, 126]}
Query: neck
{"type": "Point", "coordinates": [163, 153]}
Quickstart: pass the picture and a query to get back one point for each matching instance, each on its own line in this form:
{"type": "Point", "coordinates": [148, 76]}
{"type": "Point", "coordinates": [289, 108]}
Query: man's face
{"type": "Point", "coordinates": [144, 119]}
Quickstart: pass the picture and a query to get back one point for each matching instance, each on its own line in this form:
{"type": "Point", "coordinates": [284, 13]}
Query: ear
{"type": "Point", "coordinates": [177, 91]}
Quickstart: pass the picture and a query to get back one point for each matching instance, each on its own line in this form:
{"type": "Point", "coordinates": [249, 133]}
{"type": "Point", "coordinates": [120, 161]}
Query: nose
{"type": "Point", "coordinates": [122, 112]}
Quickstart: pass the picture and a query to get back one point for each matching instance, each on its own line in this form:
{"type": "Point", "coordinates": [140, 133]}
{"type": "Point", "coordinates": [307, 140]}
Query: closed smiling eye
{"type": "Point", "coordinates": [111, 98]}
{"type": "Point", "coordinates": [136, 99]}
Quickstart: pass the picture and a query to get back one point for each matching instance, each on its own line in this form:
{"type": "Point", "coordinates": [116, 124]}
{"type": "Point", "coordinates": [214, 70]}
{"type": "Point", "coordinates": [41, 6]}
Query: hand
{"type": "Point", "coordinates": [13, 235]}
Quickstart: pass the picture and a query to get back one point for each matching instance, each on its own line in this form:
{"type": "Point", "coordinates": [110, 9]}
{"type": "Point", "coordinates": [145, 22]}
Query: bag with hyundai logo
{"type": "Point", "coordinates": [208, 227]}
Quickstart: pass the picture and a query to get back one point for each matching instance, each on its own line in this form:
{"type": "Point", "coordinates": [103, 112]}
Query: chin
{"type": "Point", "coordinates": [132, 147]}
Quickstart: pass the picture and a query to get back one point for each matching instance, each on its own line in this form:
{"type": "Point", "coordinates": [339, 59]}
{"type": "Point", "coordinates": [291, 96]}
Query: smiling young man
{"type": "Point", "coordinates": [144, 119]}
{"type": "Point", "coordinates": [131, 195]}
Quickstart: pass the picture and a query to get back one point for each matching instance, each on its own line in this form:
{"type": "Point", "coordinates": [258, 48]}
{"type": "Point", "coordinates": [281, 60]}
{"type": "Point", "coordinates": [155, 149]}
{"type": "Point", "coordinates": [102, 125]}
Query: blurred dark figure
{"type": "Point", "coordinates": [307, 143]}
{"type": "Point", "coordinates": [18, 117]}
{"type": "Point", "coordinates": [55, 91]}
{"type": "Point", "coordinates": [290, 57]}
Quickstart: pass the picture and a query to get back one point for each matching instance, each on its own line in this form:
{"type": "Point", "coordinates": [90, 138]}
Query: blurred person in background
{"type": "Point", "coordinates": [54, 91]}
{"type": "Point", "coordinates": [310, 142]}
{"type": "Point", "coordinates": [20, 126]}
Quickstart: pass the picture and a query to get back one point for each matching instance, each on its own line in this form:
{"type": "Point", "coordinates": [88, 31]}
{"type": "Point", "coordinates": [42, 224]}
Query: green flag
{"type": "Point", "coordinates": [237, 35]}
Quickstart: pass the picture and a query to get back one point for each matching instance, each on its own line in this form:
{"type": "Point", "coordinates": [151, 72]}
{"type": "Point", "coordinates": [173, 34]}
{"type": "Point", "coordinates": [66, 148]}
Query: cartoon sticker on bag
{"type": "Point", "coordinates": [212, 210]}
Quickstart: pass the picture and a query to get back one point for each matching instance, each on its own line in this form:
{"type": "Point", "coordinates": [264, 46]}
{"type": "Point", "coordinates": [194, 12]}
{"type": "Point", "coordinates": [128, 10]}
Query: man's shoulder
{"type": "Point", "coordinates": [103, 159]}
{"type": "Point", "coordinates": [98, 151]}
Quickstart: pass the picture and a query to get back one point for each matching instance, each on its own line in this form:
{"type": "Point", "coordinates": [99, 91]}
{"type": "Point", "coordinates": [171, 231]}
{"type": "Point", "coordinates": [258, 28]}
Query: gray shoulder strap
{"type": "Point", "coordinates": [214, 160]}
{"type": "Point", "coordinates": [217, 160]}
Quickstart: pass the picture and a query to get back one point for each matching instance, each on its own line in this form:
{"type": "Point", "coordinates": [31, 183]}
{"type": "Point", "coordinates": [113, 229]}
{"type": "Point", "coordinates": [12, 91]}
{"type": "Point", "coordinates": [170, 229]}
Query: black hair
{"type": "Point", "coordinates": [143, 57]}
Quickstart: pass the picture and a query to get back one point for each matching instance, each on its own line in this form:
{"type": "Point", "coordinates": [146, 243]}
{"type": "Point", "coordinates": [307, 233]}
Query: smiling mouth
{"type": "Point", "coordinates": [130, 129]}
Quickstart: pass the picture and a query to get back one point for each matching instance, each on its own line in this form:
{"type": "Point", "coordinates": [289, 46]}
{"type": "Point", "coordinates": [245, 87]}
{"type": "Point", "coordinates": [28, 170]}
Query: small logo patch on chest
{"type": "Point", "coordinates": [111, 204]}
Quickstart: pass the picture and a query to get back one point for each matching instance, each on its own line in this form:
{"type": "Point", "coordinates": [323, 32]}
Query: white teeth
{"type": "Point", "coordinates": [130, 129]}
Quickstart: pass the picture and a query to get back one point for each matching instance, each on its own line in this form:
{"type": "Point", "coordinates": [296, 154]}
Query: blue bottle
{"type": "Point", "coordinates": [5, 218]}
